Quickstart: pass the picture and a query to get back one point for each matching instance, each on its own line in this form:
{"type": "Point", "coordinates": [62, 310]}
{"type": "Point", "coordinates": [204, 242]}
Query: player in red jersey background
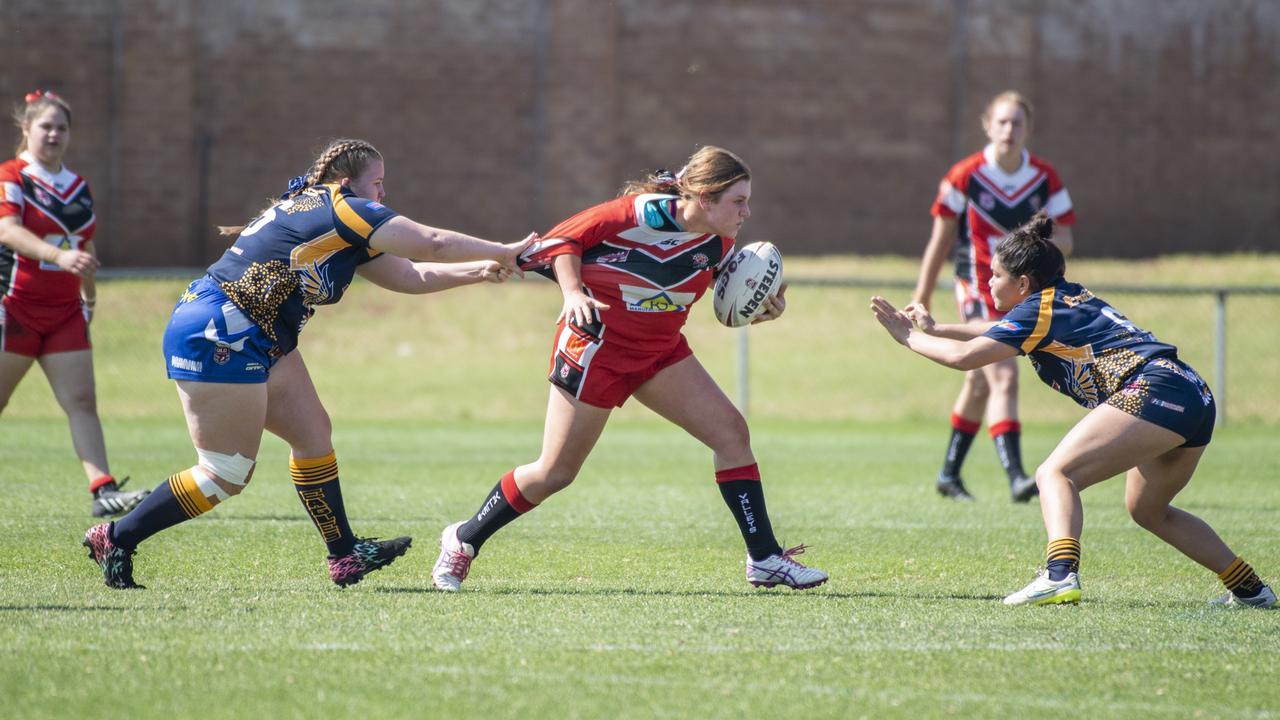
{"type": "Point", "coordinates": [983, 198]}
{"type": "Point", "coordinates": [47, 267]}
{"type": "Point", "coordinates": [629, 270]}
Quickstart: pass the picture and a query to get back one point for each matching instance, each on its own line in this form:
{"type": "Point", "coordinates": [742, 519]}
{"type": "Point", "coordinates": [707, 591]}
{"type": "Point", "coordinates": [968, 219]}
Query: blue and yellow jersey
{"type": "Point", "coordinates": [1079, 345]}
{"type": "Point", "coordinates": [300, 253]}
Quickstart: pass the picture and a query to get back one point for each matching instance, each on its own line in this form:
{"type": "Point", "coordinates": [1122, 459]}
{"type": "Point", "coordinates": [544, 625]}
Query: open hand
{"type": "Point", "coordinates": [893, 319]}
{"type": "Point", "coordinates": [580, 309]}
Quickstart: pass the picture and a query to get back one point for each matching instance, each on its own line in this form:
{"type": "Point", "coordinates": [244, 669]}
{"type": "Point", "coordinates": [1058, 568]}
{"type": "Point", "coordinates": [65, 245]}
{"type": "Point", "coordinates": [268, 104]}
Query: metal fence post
{"type": "Point", "coordinates": [1220, 355]}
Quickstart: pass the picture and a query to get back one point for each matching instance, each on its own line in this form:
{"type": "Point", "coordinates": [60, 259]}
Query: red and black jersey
{"type": "Point", "coordinates": [637, 259]}
{"type": "Point", "coordinates": [990, 203]}
{"type": "Point", "coordinates": [57, 208]}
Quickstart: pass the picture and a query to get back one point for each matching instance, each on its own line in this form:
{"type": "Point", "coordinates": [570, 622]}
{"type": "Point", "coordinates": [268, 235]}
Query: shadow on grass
{"type": "Point", "coordinates": [638, 592]}
{"type": "Point", "coordinates": [64, 608]}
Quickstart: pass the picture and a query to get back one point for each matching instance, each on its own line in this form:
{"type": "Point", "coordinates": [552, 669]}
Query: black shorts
{"type": "Point", "coordinates": [1167, 392]}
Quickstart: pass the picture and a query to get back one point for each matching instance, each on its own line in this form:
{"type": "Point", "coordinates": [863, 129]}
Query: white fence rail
{"type": "Point", "coordinates": [1219, 322]}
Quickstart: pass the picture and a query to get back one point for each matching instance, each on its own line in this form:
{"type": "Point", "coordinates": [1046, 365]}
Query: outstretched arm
{"type": "Point", "coordinates": [407, 239]}
{"type": "Point", "coordinates": [960, 355]}
{"type": "Point", "coordinates": [416, 278]}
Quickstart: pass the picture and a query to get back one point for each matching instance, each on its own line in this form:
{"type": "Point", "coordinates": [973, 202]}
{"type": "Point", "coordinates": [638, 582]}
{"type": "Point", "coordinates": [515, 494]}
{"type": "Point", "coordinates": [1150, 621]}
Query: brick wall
{"type": "Point", "coordinates": [501, 116]}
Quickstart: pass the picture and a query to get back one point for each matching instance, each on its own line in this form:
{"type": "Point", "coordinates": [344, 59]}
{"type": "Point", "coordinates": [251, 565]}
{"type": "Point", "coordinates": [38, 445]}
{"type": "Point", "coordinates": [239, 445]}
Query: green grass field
{"type": "Point", "coordinates": [623, 596]}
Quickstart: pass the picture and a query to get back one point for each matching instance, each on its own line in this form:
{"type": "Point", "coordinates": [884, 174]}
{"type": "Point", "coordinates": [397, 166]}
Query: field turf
{"type": "Point", "coordinates": [623, 596]}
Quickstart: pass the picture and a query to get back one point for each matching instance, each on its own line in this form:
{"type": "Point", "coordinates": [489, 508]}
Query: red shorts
{"type": "Point", "coordinates": [588, 367]}
{"type": "Point", "coordinates": [975, 303]}
{"type": "Point", "coordinates": [36, 330]}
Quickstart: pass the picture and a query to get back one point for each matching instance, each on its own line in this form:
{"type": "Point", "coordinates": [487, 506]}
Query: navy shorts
{"type": "Point", "coordinates": [210, 340]}
{"type": "Point", "coordinates": [1167, 392]}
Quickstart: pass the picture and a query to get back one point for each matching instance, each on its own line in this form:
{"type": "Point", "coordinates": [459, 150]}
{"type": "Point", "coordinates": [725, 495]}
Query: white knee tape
{"type": "Point", "coordinates": [234, 469]}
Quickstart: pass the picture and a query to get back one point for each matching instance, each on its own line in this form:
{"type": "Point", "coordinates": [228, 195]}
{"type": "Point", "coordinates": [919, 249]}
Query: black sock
{"type": "Point", "coordinates": [1009, 450]}
{"type": "Point", "coordinates": [744, 494]}
{"type": "Point", "coordinates": [962, 433]}
{"type": "Point", "coordinates": [174, 501]}
{"type": "Point", "coordinates": [503, 505]}
{"type": "Point", "coordinates": [316, 480]}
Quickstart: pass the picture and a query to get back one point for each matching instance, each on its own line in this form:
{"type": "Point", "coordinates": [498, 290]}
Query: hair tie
{"type": "Point", "coordinates": [296, 184]}
{"type": "Point", "coordinates": [680, 172]}
{"type": "Point", "coordinates": [34, 95]}
{"type": "Point", "coordinates": [663, 176]}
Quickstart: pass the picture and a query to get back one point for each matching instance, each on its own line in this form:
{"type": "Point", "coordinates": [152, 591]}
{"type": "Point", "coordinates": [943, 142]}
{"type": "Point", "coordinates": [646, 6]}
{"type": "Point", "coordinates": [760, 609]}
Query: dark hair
{"type": "Point", "coordinates": [710, 171]}
{"type": "Point", "coordinates": [1029, 251]}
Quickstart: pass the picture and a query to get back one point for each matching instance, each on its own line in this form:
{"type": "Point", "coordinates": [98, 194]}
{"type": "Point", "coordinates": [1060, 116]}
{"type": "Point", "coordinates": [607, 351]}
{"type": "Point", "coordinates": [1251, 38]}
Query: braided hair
{"type": "Point", "coordinates": [342, 158]}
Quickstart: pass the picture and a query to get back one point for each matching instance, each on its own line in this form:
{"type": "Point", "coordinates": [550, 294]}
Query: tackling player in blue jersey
{"type": "Point", "coordinates": [231, 347]}
{"type": "Point", "coordinates": [1151, 416]}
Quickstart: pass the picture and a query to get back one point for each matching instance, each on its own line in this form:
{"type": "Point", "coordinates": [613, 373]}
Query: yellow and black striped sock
{"type": "Point", "coordinates": [316, 480]}
{"type": "Point", "coordinates": [1062, 556]}
{"type": "Point", "coordinates": [173, 501]}
{"type": "Point", "coordinates": [1240, 579]}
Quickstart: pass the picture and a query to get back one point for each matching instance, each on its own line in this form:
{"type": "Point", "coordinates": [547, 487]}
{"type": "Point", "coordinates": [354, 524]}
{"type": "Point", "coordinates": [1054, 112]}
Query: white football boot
{"type": "Point", "coordinates": [784, 569]}
{"type": "Point", "coordinates": [1264, 600]}
{"type": "Point", "coordinates": [454, 563]}
{"type": "Point", "coordinates": [1043, 591]}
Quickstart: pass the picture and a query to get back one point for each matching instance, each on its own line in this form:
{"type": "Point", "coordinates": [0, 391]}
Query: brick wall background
{"type": "Point", "coordinates": [501, 116]}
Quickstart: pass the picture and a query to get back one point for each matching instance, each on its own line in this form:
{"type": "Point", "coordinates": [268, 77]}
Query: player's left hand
{"type": "Point", "coordinates": [774, 305]}
{"type": "Point", "coordinates": [893, 319]}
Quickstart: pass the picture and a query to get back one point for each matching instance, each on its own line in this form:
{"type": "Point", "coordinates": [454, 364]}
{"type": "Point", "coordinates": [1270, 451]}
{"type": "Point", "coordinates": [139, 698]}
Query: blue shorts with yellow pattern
{"type": "Point", "coordinates": [1168, 393]}
{"type": "Point", "coordinates": [210, 340]}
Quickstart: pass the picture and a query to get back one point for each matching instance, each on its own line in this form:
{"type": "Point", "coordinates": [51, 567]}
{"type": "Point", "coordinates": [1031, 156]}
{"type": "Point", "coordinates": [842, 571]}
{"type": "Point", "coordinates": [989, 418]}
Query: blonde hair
{"type": "Point", "coordinates": [1011, 96]}
{"type": "Point", "coordinates": [342, 158]}
{"type": "Point", "coordinates": [710, 171]}
{"type": "Point", "coordinates": [36, 102]}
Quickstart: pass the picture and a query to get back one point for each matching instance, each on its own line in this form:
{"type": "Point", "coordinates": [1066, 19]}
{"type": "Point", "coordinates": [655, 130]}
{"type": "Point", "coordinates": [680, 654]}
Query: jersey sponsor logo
{"type": "Point", "coordinates": [180, 363]}
{"type": "Point", "coordinates": [43, 197]}
{"type": "Point", "coordinates": [1009, 325]}
{"type": "Point", "coordinates": [700, 260]}
{"type": "Point", "coordinates": [254, 367]}
{"type": "Point", "coordinates": [374, 205]}
{"type": "Point", "coordinates": [649, 300]}
{"type": "Point", "coordinates": [987, 201]}
{"type": "Point", "coordinates": [1034, 202]}
{"type": "Point", "coordinates": [614, 257]}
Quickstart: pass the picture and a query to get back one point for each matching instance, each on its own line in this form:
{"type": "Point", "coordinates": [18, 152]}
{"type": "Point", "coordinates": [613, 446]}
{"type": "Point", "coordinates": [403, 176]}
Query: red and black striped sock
{"type": "Point", "coordinates": [742, 492]}
{"type": "Point", "coordinates": [503, 505]}
{"type": "Point", "coordinates": [1007, 435]}
{"type": "Point", "coordinates": [962, 433]}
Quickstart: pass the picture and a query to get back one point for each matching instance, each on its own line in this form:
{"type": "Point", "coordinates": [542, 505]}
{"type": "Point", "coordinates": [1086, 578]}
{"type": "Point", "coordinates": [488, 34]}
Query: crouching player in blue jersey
{"type": "Point", "coordinates": [231, 347]}
{"type": "Point", "coordinates": [1150, 417]}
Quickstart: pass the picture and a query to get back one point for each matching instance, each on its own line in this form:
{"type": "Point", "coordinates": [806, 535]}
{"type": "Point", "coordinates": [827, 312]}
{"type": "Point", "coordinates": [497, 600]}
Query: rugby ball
{"type": "Point", "coordinates": [751, 275]}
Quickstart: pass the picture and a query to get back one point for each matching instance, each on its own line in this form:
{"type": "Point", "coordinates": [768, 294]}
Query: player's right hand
{"type": "Point", "coordinates": [77, 262]}
{"type": "Point", "coordinates": [580, 309]}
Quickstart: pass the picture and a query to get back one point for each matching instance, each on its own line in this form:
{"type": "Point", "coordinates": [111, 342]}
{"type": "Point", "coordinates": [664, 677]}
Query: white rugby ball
{"type": "Point", "coordinates": [753, 274]}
